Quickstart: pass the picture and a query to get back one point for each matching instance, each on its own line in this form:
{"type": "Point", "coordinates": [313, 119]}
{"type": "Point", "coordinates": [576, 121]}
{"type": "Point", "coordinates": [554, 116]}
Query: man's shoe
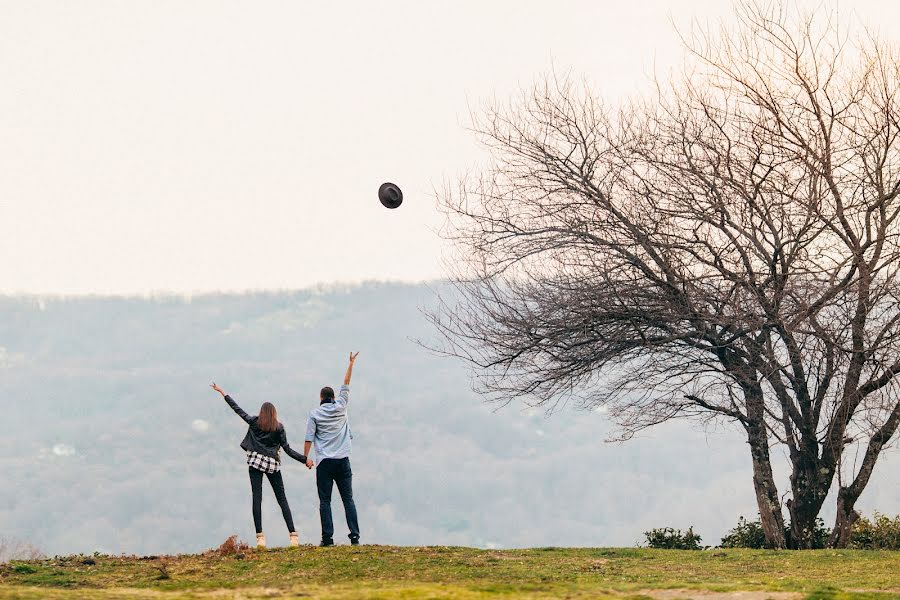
{"type": "Point", "coordinates": [326, 543]}
{"type": "Point", "coordinates": [354, 542]}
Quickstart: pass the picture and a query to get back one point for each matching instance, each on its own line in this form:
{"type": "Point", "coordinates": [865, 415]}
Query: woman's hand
{"type": "Point", "coordinates": [217, 388]}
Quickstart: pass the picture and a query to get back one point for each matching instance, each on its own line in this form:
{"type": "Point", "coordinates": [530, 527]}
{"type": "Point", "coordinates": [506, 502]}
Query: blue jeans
{"type": "Point", "coordinates": [328, 472]}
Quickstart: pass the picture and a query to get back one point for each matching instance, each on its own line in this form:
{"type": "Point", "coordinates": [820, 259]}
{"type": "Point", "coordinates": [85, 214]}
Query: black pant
{"type": "Point", "coordinates": [278, 487]}
{"type": "Point", "coordinates": [336, 470]}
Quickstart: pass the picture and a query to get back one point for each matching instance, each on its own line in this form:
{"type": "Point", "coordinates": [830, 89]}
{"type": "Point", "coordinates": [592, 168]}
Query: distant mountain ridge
{"type": "Point", "coordinates": [114, 441]}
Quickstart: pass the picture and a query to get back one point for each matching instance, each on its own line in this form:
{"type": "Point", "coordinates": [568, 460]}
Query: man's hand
{"type": "Point", "coordinates": [350, 368]}
{"type": "Point", "coordinates": [217, 388]}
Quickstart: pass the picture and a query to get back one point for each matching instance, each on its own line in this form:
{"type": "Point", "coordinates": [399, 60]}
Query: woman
{"type": "Point", "coordinates": [265, 436]}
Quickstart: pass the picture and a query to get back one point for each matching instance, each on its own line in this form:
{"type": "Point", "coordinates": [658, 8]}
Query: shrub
{"type": "Point", "coordinates": [881, 533]}
{"type": "Point", "coordinates": [674, 539]}
{"type": "Point", "coordinates": [747, 534]}
{"type": "Point", "coordinates": [163, 568]}
{"type": "Point", "coordinates": [232, 546]}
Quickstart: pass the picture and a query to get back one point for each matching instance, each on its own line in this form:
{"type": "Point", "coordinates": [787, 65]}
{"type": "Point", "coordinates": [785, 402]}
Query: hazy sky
{"type": "Point", "coordinates": [187, 146]}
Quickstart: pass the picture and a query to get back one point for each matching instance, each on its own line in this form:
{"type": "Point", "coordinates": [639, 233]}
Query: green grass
{"type": "Point", "coordinates": [374, 572]}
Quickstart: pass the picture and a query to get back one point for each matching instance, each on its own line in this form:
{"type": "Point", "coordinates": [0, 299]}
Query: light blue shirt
{"type": "Point", "coordinates": [328, 427]}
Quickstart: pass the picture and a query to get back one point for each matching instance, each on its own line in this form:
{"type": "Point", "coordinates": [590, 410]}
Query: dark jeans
{"type": "Point", "coordinates": [329, 471]}
{"type": "Point", "coordinates": [278, 487]}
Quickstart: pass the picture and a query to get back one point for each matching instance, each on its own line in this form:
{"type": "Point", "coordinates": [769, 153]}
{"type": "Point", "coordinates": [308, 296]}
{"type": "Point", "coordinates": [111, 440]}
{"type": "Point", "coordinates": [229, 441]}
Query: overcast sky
{"type": "Point", "coordinates": [188, 146]}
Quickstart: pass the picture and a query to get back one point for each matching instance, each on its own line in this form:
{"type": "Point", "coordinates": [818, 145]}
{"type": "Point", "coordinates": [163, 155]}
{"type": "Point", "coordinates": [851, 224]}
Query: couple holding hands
{"type": "Point", "coordinates": [328, 427]}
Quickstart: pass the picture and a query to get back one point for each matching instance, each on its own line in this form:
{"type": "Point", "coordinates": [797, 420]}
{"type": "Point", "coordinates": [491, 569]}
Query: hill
{"type": "Point", "coordinates": [345, 572]}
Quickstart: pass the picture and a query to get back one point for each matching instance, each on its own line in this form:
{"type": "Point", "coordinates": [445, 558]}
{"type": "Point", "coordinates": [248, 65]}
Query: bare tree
{"type": "Point", "coordinates": [13, 549]}
{"type": "Point", "coordinates": [727, 249]}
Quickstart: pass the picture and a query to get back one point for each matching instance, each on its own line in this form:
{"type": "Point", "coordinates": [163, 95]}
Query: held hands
{"type": "Point", "coordinates": [309, 463]}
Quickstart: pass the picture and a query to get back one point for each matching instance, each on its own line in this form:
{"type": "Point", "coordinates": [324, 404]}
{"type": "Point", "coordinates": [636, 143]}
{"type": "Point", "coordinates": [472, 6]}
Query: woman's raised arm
{"type": "Point", "coordinates": [234, 406]}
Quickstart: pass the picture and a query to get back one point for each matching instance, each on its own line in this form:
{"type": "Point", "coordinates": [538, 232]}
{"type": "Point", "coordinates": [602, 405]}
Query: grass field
{"type": "Point", "coordinates": [370, 572]}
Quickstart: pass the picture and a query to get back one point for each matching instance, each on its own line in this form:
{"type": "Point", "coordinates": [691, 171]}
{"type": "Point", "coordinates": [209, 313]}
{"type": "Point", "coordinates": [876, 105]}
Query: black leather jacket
{"type": "Point", "coordinates": [264, 442]}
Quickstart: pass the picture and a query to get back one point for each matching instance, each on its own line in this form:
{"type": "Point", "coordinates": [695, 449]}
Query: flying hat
{"type": "Point", "coordinates": [390, 195]}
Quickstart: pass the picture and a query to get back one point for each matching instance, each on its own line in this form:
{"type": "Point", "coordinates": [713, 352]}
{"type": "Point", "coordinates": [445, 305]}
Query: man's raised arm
{"type": "Point", "coordinates": [350, 368]}
{"type": "Point", "coordinates": [343, 396]}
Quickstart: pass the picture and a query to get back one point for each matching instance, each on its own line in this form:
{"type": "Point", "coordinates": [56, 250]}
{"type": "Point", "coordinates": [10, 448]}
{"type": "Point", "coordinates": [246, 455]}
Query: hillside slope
{"type": "Point", "coordinates": [453, 572]}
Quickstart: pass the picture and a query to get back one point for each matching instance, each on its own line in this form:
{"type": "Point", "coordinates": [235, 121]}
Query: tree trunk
{"type": "Point", "coordinates": [847, 496]}
{"type": "Point", "coordinates": [767, 500]}
{"type": "Point", "coordinates": [770, 515]}
{"type": "Point", "coordinates": [809, 485]}
{"type": "Point", "coordinates": [803, 521]}
{"type": "Point", "coordinates": [843, 523]}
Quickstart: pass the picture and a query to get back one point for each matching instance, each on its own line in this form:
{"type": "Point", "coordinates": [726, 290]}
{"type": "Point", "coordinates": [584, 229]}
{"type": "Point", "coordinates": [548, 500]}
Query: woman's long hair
{"type": "Point", "coordinates": [268, 417]}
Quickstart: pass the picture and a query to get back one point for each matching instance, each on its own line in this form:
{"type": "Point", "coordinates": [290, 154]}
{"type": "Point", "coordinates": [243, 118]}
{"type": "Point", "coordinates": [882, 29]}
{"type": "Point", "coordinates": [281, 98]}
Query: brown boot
{"type": "Point", "coordinates": [260, 540]}
{"type": "Point", "coordinates": [295, 539]}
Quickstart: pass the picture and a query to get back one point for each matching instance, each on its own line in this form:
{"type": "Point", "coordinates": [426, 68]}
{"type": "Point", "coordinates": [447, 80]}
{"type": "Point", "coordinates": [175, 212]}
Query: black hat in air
{"type": "Point", "coordinates": [390, 195]}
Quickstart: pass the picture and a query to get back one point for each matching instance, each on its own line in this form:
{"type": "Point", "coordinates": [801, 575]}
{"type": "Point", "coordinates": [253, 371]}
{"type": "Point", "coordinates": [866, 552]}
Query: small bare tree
{"type": "Point", "coordinates": [13, 549]}
{"type": "Point", "coordinates": [727, 249]}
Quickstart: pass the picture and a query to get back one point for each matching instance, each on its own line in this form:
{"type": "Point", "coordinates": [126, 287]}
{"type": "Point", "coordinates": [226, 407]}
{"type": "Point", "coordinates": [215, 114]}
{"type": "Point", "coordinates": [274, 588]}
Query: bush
{"type": "Point", "coordinates": [232, 546]}
{"type": "Point", "coordinates": [881, 533]}
{"type": "Point", "coordinates": [673, 539]}
{"type": "Point", "coordinates": [747, 534]}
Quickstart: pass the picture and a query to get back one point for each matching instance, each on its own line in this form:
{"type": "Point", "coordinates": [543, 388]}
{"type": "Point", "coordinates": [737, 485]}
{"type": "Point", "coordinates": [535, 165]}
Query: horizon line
{"type": "Point", "coordinates": [160, 294]}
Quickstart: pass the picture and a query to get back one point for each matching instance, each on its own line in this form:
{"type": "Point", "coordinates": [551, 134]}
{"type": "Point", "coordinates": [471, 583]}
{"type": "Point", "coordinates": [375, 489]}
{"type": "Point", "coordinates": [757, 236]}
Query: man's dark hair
{"type": "Point", "coordinates": [326, 395]}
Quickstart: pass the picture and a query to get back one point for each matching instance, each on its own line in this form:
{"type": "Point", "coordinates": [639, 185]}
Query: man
{"type": "Point", "coordinates": [329, 427]}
